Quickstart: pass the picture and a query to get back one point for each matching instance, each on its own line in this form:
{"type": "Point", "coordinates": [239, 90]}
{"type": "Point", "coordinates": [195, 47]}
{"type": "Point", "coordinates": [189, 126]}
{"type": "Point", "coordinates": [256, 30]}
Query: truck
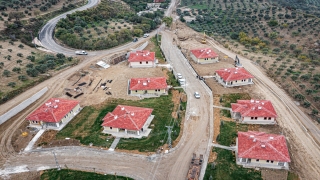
{"type": "Point", "coordinates": [81, 53]}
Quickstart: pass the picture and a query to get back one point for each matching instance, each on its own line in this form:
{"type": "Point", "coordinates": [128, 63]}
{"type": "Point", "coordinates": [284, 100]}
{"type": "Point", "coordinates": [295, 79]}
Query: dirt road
{"type": "Point", "coordinates": [297, 126]}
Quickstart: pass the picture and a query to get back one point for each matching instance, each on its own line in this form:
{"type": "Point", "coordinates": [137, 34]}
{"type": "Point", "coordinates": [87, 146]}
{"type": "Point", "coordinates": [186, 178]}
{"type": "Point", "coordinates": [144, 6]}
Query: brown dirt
{"type": "Point", "coordinates": [274, 174]}
{"type": "Point", "coordinates": [134, 152]}
{"type": "Point", "coordinates": [176, 102]}
{"type": "Point", "coordinates": [212, 157]}
{"type": "Point", "coordinates": [33, 175]}
{"type": "Point", "coordinates": [119, 74]}
{"type": "Point", "coordinates": [48, 139]}
{"type": "Point", "coordinates": [216, 114]}
{"type": "Point", "coordinates": [19, 142]}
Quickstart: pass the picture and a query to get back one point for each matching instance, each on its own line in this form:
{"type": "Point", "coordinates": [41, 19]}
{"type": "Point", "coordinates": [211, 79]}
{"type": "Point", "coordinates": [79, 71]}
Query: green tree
{"type": "Point", "coordinates": [16, 69]}
{"type": "Point", "coordinates": [12, 84]}
{"type": "Point", "coordinates": [32, 72]}
{"type": "Point", "coordinates": [6, 73]}
{"type": "Point", "coordinates": [22, 78]}
{"type": "Point", "coordinates": [315, 112]}
{"type": "Point", "coordinates": [299, 97]}
{"type": "Point", "coordinates": [19, 61]}
{"type": "Point", "coordinates": [167, 20]}
{"type": "Point", "coordinates": [306, 104]}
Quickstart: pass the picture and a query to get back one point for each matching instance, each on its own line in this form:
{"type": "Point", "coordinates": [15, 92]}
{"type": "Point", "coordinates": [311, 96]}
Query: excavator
{"type": "Point", "coordinates": [203, 41]}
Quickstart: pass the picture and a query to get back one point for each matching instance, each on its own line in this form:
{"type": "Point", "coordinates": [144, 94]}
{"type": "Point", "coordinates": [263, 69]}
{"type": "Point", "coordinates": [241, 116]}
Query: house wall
{"type": "Point", "coordinates": [162, 91]}
{"type": "Point", "coordinates": [143, 64]}
{"type": "Point", "coordinates": [203, 61]}
{"type": "Point", "coordinates": [107, 128]}
{"type": "Point", "coordinates": [238, 82]}
{"type": "Point", "coordinates": [259, 120]}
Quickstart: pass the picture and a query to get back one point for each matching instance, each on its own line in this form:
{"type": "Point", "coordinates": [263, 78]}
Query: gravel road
{"type": "Point", "coordinates": [299, 129]}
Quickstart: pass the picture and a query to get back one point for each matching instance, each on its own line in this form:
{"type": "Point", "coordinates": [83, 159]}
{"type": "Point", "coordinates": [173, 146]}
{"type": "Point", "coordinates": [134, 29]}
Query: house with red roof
{"type": "Point", "coordinates": [204, 56]}
{"type": "Point", "coordinates": [230, 77]}
{"type": "Point", "coordinates": [258, 149]}
{"type": "Point", "coordinates": [254, 112]}
{"type": "Point", "coordinates": [159, 1]}
{"type": "Point", "coordinates": [148, 86]}
{"type": "Point", "coordinates": [55, 113]}
{"type": "Point", "coordinates": [141, 59]}
{"type": "Point", "coordinates": [128, 121]}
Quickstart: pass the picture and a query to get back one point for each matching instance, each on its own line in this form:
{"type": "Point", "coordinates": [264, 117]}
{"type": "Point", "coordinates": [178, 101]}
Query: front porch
{"type": "Point", "coordinates": [247, 163]}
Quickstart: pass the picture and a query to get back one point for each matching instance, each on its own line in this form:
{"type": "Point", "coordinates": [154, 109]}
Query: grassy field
{"type": "Point", "coordinates": [67, 174]}
{"type": "Point", "coordinates": [157, 49]}
{"type": "Point", "coordinates": [227, 99]}
{"type": "Point", "coordinates": [225, 166]}
{"type": "Point", "coordinates": [86, 126]}
{"type": "Point", "coordinates": [292, 176]}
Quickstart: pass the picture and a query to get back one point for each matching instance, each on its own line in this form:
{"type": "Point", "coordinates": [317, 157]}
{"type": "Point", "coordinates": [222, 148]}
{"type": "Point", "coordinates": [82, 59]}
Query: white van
{"type": "Point", "coordinates": [182, 82]}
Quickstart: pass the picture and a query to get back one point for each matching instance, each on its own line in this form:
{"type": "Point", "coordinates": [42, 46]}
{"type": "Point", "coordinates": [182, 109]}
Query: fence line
{"type": "Point", "coordinates": [12, 112]}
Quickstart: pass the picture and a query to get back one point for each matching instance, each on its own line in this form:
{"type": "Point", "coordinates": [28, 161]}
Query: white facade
{"type": "Point", "coordinates": [142, 64]}
{"type": "Point", "coordinates": [203, 60]}
{"type": "Point", "coordinates": [242, 82]}
{"type": "Point", "coordinates": [253, 120]}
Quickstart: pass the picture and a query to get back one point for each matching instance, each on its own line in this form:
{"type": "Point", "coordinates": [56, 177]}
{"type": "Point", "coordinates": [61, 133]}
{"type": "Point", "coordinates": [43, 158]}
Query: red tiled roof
{"type": "Point", "coordinates": [53, 110]}
{"type": "Point", "coordinates": [254, 108]}
{"type": "Point", "coordinates": [232, 74]}
{"type": "Point", "coordinates": [259, 145]}
{"type": "Point", "coordinates": [141, 56]}
{"type": "Point", "coordinates": [148, 83]}
{"type": "Point", "coordinates": [204, 53]}
{"type": "Point", "coordinates": [127, 117]}
{"type": "Point", "coordinates": [159, 1]}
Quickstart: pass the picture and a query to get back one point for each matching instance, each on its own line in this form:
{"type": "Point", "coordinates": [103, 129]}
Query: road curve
{"type": "Point", "coordinates": [46, 33]}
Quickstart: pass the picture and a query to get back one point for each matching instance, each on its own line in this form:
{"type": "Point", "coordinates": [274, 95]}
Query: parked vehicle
{"type": "Point", "coordinates": [182, 82]}
{"type": "Point", "coordinates": [135, 39]}
{"type": "Point", "coordinates": [179, 76]}
{"type": "Point", "coordinates": [146, 35]}
{"type": "Point", "coordinates": [197, 95]}
{"type": "Point", "coordinates": [81, 53]}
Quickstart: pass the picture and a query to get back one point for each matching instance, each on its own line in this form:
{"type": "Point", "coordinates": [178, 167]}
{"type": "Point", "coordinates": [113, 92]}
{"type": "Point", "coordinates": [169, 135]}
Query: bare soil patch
{"type": "Point", "coordinates": [119, 74]}
{"type": "Point", "coordinates": [22, 137]}
{"type": "Point", "coordinates": [274, 174]}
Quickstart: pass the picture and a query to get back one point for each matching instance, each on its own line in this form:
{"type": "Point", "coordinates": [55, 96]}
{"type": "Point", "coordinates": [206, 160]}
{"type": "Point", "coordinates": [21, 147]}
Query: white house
{"type": "Point", "coordinates": [128, 121]}
{"type": "Point", "coordinates": [148, 86]}
{"type": "Point", "coordinates": [231, 77]}
{"type": "Point", "coordinates": [54, 114]}
{"type": "Point", "coordinates": [141, 59]}
{"type": "Point", "coordinates": [258, 149]}
{"type": "Point", "coordinates": [254, 112]}
{"type": "Point", "coordinates": [204, 56]}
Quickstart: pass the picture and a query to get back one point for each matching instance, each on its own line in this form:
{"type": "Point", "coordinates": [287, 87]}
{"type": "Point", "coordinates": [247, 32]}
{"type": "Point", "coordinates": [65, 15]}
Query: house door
{"type": "Point", "coordinates": [145, 91]}
{"type": "Point", "coordinates": [249, 161]}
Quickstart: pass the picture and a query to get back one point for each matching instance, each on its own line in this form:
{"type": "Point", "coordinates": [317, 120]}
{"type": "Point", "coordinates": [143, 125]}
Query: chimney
{"type": "Point", "coordinates": [270, 137]}
{"type": "Point", "coordinates": [262, 103]}
{"type": "Point", "coordinates": [132, 114]}
{"type": "Point", "coordinates": [57, 100]}
{"type": "Point", "coordinates": [122, 108]}
{"type": "Point", "coordinates": [138, 81]}
{"type": "Point", "coordinates": [251, 136]}
{"type": "Point", "coordinates": [236, 68]}
{"type": "Point", "coordinates": [225, 69]}
{"type": "Point", "coordinates": [252, 101]}
{"type": "Point", "coordinates": [257, 101]}
{"type": "Point", "coordinates": [236, 72]}
{"type": "Point", "coordinates": [144, 83]}
{"type": "Point", "coordinates": [263, 145]}
{"type": "Point", "coordinates": [55, 106]}
{"type": "Point", "coordinates": [148, 80]}
{"type": "Point", "coordinates": [259, 107]}
{"type": "Point", "coordinates": [254, 140]}
{"type": "Point", "coordinates": [115, 117]}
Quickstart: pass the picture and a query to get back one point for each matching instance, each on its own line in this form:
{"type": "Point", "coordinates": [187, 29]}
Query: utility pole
{"type": "Point", "coordinates": [169, 135]}
{"type": "Point", "coordinates": [55, 158]}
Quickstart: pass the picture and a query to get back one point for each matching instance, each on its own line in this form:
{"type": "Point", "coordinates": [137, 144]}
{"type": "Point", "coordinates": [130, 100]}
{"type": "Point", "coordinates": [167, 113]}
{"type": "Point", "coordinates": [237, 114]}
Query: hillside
{"type": "Point", "coordinates": [281, 39]}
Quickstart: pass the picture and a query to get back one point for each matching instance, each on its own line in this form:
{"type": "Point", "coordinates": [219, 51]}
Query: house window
{"type": "Point", "coordinates": [110, 127]}
{"type": "Point", "coordinates": [257, 160]}
{"type": "Point", "coordinates": [271, 161]}
{"type": "Point", "coordinates": [269, 118]}
{"type": "Point", "coordinates": [256, 118]}
{"type": "Point", "coordinates": [251, 117]}
{"type": "Point", "coordinates": [236, 81]}
{"type": "Point", "coordinates": [140, 62]}
{"type": "Point", "coordinates": [265, 118]}
{"type": "Point", "coordinates": [267, 161]}
{"type": "Point", "coordinates": [136, 90]}
{"type": "Point", "coordinates": [147, 62]}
